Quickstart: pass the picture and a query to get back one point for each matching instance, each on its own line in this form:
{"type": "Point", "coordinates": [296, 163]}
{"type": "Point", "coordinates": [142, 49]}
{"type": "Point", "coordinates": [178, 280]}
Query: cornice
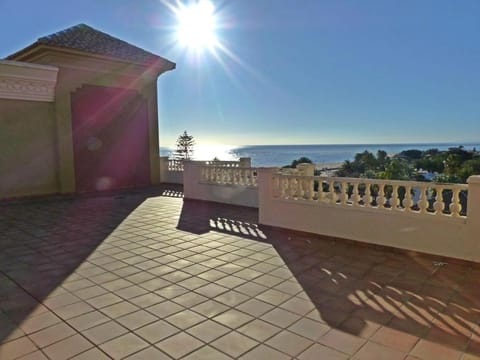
{"type": "Point", "coordinates": [26, 81]}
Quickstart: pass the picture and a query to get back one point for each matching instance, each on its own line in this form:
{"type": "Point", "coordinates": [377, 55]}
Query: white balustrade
{"type": "Point", "coordinates": [229, 175]}
{"type": "Point", "coordinates": [175, 165]}
{"type": "Point", "coordinates": [221, 163]}
{"type": "Point", "coordinates": [389, 195]}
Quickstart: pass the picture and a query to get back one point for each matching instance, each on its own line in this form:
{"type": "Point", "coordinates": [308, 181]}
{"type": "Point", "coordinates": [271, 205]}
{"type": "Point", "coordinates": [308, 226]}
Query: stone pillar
{"type": "Point", "coordinates": [163, 169]}
{"type": "Point", "coordinates": [192, 175]}
{"type": "Point", "coordinates": [473, 213]}
{"type": "Point", "coordinates": [245, 162]}
{"type": "Point", "coordinates": [306, 169]}
{"type": "Point", "coordinates": [265, 194]}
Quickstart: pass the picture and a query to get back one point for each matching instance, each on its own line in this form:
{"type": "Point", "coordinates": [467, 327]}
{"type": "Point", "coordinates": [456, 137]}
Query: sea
{"type": "Point", "coordinates": [322, 155]}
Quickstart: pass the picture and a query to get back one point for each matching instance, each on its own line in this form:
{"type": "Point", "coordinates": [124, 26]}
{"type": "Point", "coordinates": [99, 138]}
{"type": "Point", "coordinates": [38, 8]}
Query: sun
{"type": "Point", "coordinates": [197, 25]}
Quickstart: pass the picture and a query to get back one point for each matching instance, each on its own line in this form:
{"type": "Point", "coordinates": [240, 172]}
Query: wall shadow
{"type": "Point", "coordinates": [371, 292]}
{"type": "Point", "coordinates": [43, 241]}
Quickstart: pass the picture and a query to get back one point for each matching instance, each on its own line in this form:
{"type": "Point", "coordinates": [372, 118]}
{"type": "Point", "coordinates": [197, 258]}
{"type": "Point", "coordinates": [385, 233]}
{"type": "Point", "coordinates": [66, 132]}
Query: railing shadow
{"type": "Point", "coordinates": [370, 292]}
{"type": "Point", "coordinates": [43, 241]}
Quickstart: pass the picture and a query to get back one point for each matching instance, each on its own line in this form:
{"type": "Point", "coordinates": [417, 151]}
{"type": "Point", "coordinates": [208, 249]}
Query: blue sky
{"type": "Point", "coordinates": [300, 71]}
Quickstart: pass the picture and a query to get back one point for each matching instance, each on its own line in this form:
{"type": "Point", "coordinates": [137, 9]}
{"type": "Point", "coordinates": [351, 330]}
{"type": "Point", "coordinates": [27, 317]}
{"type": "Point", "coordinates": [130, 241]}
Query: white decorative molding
{"type": "Point", "coordinates": [26, 81]}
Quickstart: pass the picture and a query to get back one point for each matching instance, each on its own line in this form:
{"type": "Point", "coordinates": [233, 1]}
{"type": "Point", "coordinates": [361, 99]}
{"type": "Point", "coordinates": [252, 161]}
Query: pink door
{"type": "Point", "coordinates": [110, 138]}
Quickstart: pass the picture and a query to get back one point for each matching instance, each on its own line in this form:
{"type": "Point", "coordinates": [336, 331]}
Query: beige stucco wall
{"type": "Point", "coordinates": [75, 71]}
{"type": "Point", "coordinates": [40, 133]}
{"type": "Point", "coordinates": [27, 148]}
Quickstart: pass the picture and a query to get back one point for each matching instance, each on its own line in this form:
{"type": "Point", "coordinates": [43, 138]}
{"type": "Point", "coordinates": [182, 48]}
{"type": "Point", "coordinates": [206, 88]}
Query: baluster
{"type": "Point", "coordinates": [380, 199]}
{"type": "Point", "coordinates": [249, 177]}
{"type": "Point", "coordinates": [320, 194]}
{"type": "Point", "coordinates": [333, 194]}
{"type": "Point", "coordinates": [423, 201]}
{"type": "Point", "coordinates": [296, 188]}
{"type": "Point", "coordinates": [356, 195]}
{"type": "Point", "coordinates": [367, 197]}
{"type": "Point", "coordinates": [344, 193]}
{"type": "Point", "coordinates": [394, 198]}
{"type": "Point", "coordinates": [301, 188]}
{"type": "Point", "coordinates": [439, 203]}
{"type": "Point", "coordinates": [305, 188]}
{"type": "Point", "coordinates": [455, 206]}
{"type": "Point", "coordinates": [311, 189]}
{"type": "Point", "coordinates": [408, 201]}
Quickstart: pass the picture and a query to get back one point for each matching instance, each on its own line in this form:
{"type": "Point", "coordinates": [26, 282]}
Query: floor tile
{"type": "Point", "coordinates": [157, 331]}
{"type": "Point", "coordinates": [123, 346]}
{"type": "Point", "coordinates": [185, 319]}
{"type": "Point", "coordinates": [207, 352]}
{"type": "Point", "coordinates": [179, 345]}
{"type": "Point", "coordinates": [395, 339]}
{"type": "Point", "coordinates": [136, 319]}
{"type": "Point", "coordinates": [233, 318]}
{"type": "Point", "coordinates": [208, 331]}
{"type": "Point", "coordinates": [289, 343]}
{"type": "Point", "coordinates": [150, 353]}
{"type": "Point", "coordinates": [318, 351]}
{"type": "Point", "coordinates": [92, 354]}
{"type": "Point", "coordinates": [280, 317]}
{"type": "Point", "coordinates": [39, 322]}
{"type": "Point", "coordinates": [88, 320]}
{"type": "Point", "coordinates": [67, 348]}
{"type": "Point", "coordinates": [374, 351]}
{"type": "Point", "coordinates": [264, 352]}
{"type": "Point", "coordinates": [342, 341]}
{"type": "Point", "coordinates": [164, 309]}
{"type": "Point", "coordinates": [234, 344]}
{"type": "Point", "coordinates": [104, 332]}
{"type": "Point", "coordinates": [16, 348]}
{"type": "Point", "coordinates": [425, 349]}
{"type": "Point", "coordinates": [51, 334]}
{"type": "Point", "coordinates": [259, 330]}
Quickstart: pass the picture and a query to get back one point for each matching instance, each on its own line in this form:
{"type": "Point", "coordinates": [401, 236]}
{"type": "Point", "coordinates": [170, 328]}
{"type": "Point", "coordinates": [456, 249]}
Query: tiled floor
{"type": "Point", "coordinates": [145, 275]}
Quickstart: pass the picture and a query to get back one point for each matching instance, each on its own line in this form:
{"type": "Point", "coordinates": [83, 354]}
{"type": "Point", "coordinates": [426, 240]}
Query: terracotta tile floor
{"type": "Point", "coordinates": [145, 275]}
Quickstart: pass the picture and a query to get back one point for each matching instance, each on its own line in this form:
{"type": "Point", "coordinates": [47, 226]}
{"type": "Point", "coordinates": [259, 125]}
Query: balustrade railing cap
{"type": "Point", "coordinates": [474, 179]}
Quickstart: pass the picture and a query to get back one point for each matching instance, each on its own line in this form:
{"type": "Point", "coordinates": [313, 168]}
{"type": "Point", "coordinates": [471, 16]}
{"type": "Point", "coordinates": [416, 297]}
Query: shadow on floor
{"type": "Point", "coordinates": [396, 297]}
{"type": "Point", "coordinates": [43, 241]}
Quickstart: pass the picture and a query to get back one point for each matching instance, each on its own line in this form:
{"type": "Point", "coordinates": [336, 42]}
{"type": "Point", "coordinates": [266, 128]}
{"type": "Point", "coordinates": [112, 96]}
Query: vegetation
{"type": "Point", "coordinates": [294, 163]}
{"type": "Point", "coordinates": [185, 144]}
{"type": "Point", "coordinates": [453, 165]}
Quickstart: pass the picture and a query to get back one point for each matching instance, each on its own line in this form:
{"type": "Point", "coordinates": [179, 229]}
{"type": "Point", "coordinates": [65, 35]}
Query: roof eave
{"type": "Point", "coordinates": [22, 55]}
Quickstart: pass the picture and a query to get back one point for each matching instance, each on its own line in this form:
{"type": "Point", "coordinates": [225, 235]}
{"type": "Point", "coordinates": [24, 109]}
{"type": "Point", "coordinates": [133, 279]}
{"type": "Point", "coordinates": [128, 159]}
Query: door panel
{"type": "Point", "coordinates": [110, 139]}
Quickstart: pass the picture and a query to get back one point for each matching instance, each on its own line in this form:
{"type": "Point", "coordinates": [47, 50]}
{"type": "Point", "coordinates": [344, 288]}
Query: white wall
{"type": "Point", "coordinates": [194, 188]}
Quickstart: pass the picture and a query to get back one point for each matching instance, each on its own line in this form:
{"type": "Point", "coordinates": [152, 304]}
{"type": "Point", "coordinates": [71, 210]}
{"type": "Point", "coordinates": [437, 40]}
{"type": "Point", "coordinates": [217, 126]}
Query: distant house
{"type": "Point", "coordinates": [78, 113]}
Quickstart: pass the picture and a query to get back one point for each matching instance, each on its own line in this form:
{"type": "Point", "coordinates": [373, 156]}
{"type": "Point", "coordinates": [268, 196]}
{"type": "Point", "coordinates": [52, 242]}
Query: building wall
{"type": "Point", "coordinates": [27, 148]}
{"type": "Point", "coordinates": [75, 72]}
{"type": "Point", "coordinates": [43, 139]}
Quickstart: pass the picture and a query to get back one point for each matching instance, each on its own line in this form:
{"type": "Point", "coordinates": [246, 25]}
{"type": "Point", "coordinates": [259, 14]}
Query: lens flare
{"type": "Point", "coordinates": [197, 25]}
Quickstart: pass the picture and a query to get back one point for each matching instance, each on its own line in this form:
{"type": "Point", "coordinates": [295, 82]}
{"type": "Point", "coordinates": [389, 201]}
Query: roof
{"type": "Point", "coordinates": [85, 38]}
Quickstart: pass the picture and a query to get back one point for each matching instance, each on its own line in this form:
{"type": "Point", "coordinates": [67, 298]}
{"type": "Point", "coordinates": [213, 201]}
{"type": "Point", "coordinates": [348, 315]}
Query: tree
{"type": "Point", "coordinates": [185, 144]}
{"type": "Point", "coordinates": [301, 160]}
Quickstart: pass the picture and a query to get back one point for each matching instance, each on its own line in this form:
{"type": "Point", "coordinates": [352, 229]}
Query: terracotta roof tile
{"type": "Point", "coordinates": [85, 38]}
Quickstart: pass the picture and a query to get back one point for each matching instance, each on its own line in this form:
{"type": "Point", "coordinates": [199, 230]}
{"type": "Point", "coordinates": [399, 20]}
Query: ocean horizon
{"type": "Point", "coordinates": [322, 155]}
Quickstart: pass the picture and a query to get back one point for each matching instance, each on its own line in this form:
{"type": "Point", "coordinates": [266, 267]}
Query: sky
{"type": "Point", "coordinates": [295, 71]}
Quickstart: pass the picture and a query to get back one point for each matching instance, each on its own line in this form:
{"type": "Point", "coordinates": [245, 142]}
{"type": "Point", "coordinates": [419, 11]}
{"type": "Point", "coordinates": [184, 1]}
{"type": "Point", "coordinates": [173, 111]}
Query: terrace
{"type": "Point", "coordinates": [230, 261]}
{"type": "Point", "coordinates": [149, 275]}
